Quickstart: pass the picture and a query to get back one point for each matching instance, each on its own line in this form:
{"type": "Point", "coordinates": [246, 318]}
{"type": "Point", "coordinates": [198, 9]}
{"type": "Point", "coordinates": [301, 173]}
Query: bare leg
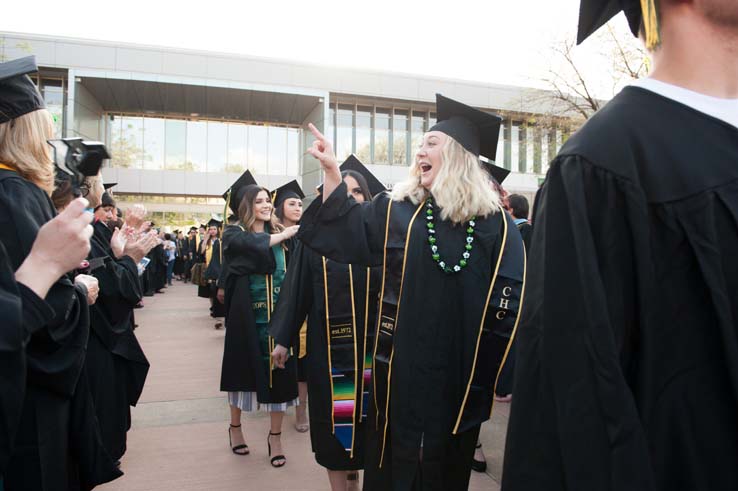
{"type": "Point", "coordinates": [301, 420]}
{"type": "Point", "coordinates": [338, 480]}
{"type": "Point", "coordinates": [352, 481]}
{"type": "Point", "coordinates": [276, 440]}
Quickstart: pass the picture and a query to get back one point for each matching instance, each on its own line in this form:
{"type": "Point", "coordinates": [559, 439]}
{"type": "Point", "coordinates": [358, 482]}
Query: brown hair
{"type": "Point", "coordinates": [23, 146]}
{"type": "Point", "coordinates": [246, 209]}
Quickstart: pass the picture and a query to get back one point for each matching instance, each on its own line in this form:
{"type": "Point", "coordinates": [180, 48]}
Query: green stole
{"type": "Point", "coordinates": [349, 366]}
{"type": "Point", "coordinates": [496, 330]}
{"type": "Point", "coordinates": [264, 291]}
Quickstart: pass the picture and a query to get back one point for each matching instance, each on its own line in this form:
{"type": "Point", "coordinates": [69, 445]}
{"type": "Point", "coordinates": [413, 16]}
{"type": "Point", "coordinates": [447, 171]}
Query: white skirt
{"type": "Point", "coordinates": [247, 401]}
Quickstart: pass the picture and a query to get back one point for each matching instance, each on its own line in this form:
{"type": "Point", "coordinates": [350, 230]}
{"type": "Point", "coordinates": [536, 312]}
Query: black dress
{"type": "Point", "coordinates": [212, 274]}
{"type": "Point", "coordinates": [118, 365]}
{"type": "Point", "coordinates": [627, 370]}
{"type": "Point", "coordinates": [23, 313]}
{"type": "Point", "coordinates": [337, 439]}
{"type": "Point", "coordinates": [441, 337]}
{"type": "Point", "coordinates": [244, 369]}
{"type": "Point", "coordinates": [58, 443]}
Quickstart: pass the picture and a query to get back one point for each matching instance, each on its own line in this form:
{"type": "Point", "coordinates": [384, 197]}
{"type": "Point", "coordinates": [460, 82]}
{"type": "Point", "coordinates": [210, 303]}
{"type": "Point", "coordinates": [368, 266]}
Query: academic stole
{"type": "Point", "coordinates": [347, 361]}
{"type": "Point", "coordinates": [264, 295]}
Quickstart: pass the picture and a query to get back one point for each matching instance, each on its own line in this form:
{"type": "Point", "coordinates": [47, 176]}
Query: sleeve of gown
{"type": "Point", "coordinates": [574, 424]}
{"type": "Point", "coordinates": [252, 251]}
{"type": "Point", "coordinates": [295, 297]}
{"type": "Point", "coordinates": [119, 281]}
{"type": "Point", "coordinates": [345, 231]}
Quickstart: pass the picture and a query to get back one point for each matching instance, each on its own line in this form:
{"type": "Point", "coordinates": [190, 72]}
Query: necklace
{"type": "Point", "coordinates": [431, 228]}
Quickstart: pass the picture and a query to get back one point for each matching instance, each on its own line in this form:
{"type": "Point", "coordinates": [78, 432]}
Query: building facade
{"type": "Point", "coordinates": [181, 125]}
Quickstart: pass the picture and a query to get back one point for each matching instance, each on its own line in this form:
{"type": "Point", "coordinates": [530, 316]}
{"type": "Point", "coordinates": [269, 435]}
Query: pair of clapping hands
{"type": "Point", "coordinates": [135, 238]}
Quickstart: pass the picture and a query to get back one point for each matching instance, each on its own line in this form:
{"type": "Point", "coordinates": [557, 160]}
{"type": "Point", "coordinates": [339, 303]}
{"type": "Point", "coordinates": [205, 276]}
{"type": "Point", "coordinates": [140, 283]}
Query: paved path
{"type": "Point", "coordinates": [179, 436]}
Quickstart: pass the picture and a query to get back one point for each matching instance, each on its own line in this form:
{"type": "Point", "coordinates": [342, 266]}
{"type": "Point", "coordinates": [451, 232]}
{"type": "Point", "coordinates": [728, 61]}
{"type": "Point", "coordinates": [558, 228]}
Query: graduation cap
{"type": "Point", "coordinates": [287, 191]}
{"type": "Point", "coordinates": [18, 93]}
{"type": "Point", "coordinates": [193, 229]}
{"type": "Point", "coordinates": [354, 164]}
{"type": "Point", "coordinates": [109, 185]}
{"type": "Point", "coordinates": [593, 14]}
{"type": "Point", "coordinates": [476, 131]}
{"type": "Point", "coordinates": [234, 194]}
{"type": "Point", "coordinates": [107, 200]}
{"type": "Point", "coordinates": [214, 222]}
{"type": "Point", "coordinates": [499, 173]}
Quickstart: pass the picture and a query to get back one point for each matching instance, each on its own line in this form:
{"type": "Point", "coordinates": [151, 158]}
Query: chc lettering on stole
{"type": "Point", "coordinates": [504, 306]}
{"type": "Point", "coordinates": [258, 305]}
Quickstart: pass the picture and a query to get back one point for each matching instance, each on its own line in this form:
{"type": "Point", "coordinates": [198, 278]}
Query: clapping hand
{"type": "Point", "coordinates": [135, 216]}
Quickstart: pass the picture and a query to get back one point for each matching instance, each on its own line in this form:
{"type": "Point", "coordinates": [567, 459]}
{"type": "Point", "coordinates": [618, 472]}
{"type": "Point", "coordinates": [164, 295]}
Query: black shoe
{"type": "Point", "coordinates": [276, 458]}
{"type": "Point", "coordinates": [479, 465]}
{"type": "Point", "coordinates": [238, 449]}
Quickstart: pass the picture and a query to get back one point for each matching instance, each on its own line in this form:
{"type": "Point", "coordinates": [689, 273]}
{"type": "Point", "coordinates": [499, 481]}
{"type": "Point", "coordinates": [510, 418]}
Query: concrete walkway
{"type": "Point", "coordinates": [179, 438]}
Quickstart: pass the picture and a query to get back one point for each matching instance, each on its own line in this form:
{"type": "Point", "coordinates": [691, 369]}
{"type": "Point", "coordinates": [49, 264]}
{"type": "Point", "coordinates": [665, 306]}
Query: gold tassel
{"type": "Point", "coordinates": [650, 23]}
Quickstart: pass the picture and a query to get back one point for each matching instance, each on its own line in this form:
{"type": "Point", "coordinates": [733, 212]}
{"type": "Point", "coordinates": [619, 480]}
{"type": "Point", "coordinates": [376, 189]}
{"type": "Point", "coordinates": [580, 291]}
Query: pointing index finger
{"type": "Point", "coordinates": [316, 132]}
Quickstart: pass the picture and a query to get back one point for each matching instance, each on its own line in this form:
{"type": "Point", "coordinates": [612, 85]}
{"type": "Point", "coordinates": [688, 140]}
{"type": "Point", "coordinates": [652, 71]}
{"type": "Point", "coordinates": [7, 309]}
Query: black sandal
{"type": "Point", "coordinates": [479, 465]}
{"type": "Point", "coordinates": [236, 449]}
{"type": "Point", "coordinates": [276, 457]}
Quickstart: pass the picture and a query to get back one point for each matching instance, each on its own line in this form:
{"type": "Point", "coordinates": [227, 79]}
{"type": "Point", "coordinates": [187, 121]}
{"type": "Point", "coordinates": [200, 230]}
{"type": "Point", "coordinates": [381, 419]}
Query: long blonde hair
{"type": "Point", "coordinates": [461, 189]}
{"type": "Point", "coordinates": [246, 209]}
{"type": "Point", "coordinates": [23, 146]}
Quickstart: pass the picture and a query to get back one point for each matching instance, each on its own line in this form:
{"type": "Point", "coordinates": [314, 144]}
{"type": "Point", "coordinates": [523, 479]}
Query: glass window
{"type": "Point", "coordinates": [364, 133]}
{"type": "Point", "coordinates": [197, 145]}
{"type": "Point", "coordinates": [399, 137]}
{"type": "Point", "coordinates": [154, 129]}
{"type": "Point", "coordinates": [129, 148]}
{"type": "Point", "coordinates": [432, 120]}
{"type": "Point", "coordinates": [277, 158]}
{"type": "Point", "coordinates": [293, 152]}
{"type": "Point", "coordinates": [175, 155]}
{"type": "Point", "coordinates": [381, 136]}
{"type": "Point", "coordinates": [217, 146]}
{"type": "Point", "coordinates": [237, 145]}
{"type": "Point", "coordinates": [417, 131]}
{"type": "Point", "coordinates": [332, 124]}
{"type": "Point", "coordinates": [530, 147]}
{"type": "Point", "coordinates": [344, 131]}
{"type": "Point", "coordinates": [53, 92]}
{"type": "Point", "coordinates": [257, 157]}
{"type": "Point", "coordinates": [515, 148]}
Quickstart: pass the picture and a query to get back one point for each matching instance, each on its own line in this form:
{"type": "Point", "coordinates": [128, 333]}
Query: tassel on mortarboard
{"type": "Point", "coordinates": [650, 19]}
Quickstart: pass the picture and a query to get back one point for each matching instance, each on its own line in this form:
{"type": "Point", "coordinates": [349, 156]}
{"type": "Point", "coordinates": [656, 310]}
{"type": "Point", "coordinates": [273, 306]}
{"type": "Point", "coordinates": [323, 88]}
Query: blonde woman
{"type": "Point", "coordinates": [256, 264]}
{"type": "Point", "coordinates": [55, 446]}
{"type": "Point", "coordinates": [451, 294]}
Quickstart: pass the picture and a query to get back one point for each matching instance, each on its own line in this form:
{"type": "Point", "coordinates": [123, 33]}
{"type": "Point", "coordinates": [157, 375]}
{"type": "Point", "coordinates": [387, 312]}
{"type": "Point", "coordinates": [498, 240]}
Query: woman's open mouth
{"type": "Point", "coordinates": [425, 167]}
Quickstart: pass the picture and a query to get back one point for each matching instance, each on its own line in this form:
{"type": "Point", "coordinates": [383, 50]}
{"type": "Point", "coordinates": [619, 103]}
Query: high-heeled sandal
{"type": "Point", "coordinates": [276, 457]}
{"type": "Point", "coordinates": [479, 465]}
{"type": "Point", "coordinates": [238, 449]}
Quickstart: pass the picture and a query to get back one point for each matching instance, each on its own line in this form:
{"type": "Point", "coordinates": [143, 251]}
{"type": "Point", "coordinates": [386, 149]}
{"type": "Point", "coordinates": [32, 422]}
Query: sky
{"type": "Point", "coordinates": [485, 40]}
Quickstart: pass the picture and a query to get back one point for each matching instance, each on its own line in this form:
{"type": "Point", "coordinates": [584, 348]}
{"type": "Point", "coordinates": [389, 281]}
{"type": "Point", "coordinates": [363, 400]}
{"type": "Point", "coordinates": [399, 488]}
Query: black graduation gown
{"type": "Point", "coordinates": [118, 366]}
{"type": "Point", "coordinates": [242, 371]}
{"type": "Point", "coordinates": [23, 313]}
{"type": "Point", "coordinates": [627, 370]}
{"type": "Point", "coordinates": [179, 258]}
{"type": "Point", "coordinates": [303, 296]}
{"type": "Point", "coordinates": [435, 334]}
{"type": "Point", "coordinates": [58, 445]}
{"type": "Point", "coordinates": [160, 271]}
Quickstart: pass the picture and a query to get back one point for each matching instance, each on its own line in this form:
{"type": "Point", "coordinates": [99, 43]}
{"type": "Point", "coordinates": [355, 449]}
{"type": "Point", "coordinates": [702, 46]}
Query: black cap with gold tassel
{"type": "Point", "coordinates": [593, 14]}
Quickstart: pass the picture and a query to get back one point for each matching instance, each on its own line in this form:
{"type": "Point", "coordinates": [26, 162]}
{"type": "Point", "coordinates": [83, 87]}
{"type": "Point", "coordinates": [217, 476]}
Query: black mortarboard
{"type": "Point", "coordinates": [193, 229]}
{"type": "Point", "coordinates": [214, 222]}
{"type": "Point", "coordinates": [354, 164]}
{"type": "Point", "coordinates": [287, 191]}
{"type": "Point", "coordinates": [107, 200]}
{"type": "Point", "coordinates": [499, 173]}
{"type": "Point", "coordinates": [476, 131]}
{"type": "Point", "coordinates": [236, 190]}
{"type": "Point", "coordinates": [109, 185]}
{"type": "Point", "coordinates": [18, 93]}
{"type": "Point", "coordinates": [593, 14]}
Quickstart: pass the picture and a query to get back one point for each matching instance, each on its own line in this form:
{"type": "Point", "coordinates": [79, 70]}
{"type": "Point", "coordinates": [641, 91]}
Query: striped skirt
{"type": "Point", "coordinates": [247, 401]}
